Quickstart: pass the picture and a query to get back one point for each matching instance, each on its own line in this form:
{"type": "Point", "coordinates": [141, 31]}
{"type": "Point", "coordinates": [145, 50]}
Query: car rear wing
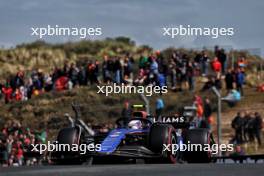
{"type": "Point", "coordinates": [184, 119]}
{"type": "Point", "coordinates": [176, 121]}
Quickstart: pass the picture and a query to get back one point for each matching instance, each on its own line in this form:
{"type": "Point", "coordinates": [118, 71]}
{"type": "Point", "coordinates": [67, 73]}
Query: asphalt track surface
{"type": "Point", "coordinates": [139, 170]}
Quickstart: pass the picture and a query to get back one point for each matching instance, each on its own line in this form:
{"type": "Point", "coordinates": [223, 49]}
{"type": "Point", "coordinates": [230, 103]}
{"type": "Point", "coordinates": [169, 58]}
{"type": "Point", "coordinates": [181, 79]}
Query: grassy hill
{"type": "Point", "coordinates": [47, 110]}
{"type": "Point", "coordinates": [45, 56]}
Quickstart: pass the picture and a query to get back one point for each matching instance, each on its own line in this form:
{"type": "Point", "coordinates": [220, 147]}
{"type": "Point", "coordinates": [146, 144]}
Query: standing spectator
{"type": "Point", "coordinates": [126, 113]}
{"type": "Point", "coordinates": [197, 63]}
{"type": "Point", "coordinates": [56, 74]}
{"type": "Point", "coordinates": [91, 73]}
{"type": "Point", "coordinates": [29, 88]}
{"type": "Point", "coordinates": [190, 76]}
{"type": "Point", "coordinates": [18, 95]}
{"type": "Point", "coordinates": [37, 86]}
{"type": "Point", "coordinates": [106, 70]}
{"type": "Point", "coordinates": [143, 62]}
{"type": "Point", "coordinates": [19, 153]}
{"type": "Point", "coordinates": [163, 68]}
{"type": "Point", "coordinates": [3, 152]}
{"type": "Point", "coordinates": [65, 70]}
{"type": "Point", "coordinates": [198, 104]}
{"type": "Point", "coordinates": [216, 66]}
{"type": "Point", "coordinates": [204, 62]}
{"type": "Point", "coordinates": [1, 92]}
{"type": "Point", "coordinates": [237, 124]}
{"type": "Point", "coordinates": [161, 80]}
{"type": "Point", "coordinates": [19, 79]}
{"type": "Point", "coordinates": [159, 107]}
{"type": "Point", "coordinates": [200, 112]}
{"type": "Point", "coordinates": [48, 84]}
{"type": "Point", "coordinates": [7, 91]}
{"type": "Point", "coordinates": [197, 99]}
{"type": "Point", "coordinates": [83, 80]}
{"type": "Point", "coordinates": [240, 78]}
{"type": "Point", "coordinates": [23, 91]}
{"type": "Point", "coordinates": [250, 129]}
{"type": "Point", "coordinates": [217, 51]}
{"type": "Point", "coordinates": [229, 80]}
{"type": "Point", "coordinates": [117, 68]}
{"type": "Point", "coordinates": [241, 63]}
{"type": "Point", "coordinates": [154, 69]}
{"type": "Point", "coordinates": [222, 60]}
{"type": "Point", "coordinates": [172, 73]}
{"type": "Point", "coordinates": [41, 78]}
{"type": "Point", "coordinates": [258, 126]}
{"type": "Point", "coordinates": [208, 112]}
{"type": "Point", "coordinates": [74, 74]}
{"type": "Point", "coordinates": [246, 126]}
{"type": "Point", "coordinates": [96, 72]}
{"type": "Point", "coordinates": [110, 66]}
{"type": "Point", "coordinates": [128, 68]}
{"type": "Point", "coordinates": [183, 74]}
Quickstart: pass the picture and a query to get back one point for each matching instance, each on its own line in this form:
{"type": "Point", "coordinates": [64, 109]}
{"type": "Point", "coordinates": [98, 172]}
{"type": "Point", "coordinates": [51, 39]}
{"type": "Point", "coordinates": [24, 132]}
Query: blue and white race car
{"type": "Point", "coordinates": [139, 137]}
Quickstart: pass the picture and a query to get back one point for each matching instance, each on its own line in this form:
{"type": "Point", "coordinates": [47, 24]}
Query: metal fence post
{"type": "Point", "coordinates": [219, 107]}
{"type": "Point", "coordinates": [146, 103]}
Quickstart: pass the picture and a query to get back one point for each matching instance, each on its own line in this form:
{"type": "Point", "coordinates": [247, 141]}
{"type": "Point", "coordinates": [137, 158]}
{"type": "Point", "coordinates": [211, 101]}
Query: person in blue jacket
{"type": "Point", "coordinates": [240, 80]}
{"type": "Point", "coordinates": [159, 107]}
{"type": "Point", "coordinates": [162, 80]}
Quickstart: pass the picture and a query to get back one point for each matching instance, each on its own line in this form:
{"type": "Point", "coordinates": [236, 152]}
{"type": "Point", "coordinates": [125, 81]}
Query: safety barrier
{"type": "Point", "coordinates": [240, 158]}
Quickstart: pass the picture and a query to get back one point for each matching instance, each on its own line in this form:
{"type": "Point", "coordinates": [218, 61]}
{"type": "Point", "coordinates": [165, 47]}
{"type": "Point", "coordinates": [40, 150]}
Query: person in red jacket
{"type": "Point", "coordinates": [19, 153]}
{"type": "Point", "coordinates": [216, 65]}
{"type": "Point", "coordinates": [18, 95]}
{"type": "Point", "coordinates": [7, 90]}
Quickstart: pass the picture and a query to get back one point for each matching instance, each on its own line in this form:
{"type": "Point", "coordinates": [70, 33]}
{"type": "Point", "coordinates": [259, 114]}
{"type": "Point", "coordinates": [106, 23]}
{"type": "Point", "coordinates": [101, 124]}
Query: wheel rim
{"type": "Point", "coordinates": [172, 140]}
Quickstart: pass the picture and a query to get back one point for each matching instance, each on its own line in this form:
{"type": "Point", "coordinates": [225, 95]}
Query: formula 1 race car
{"type": "Point", "coordinates": [141, 137]}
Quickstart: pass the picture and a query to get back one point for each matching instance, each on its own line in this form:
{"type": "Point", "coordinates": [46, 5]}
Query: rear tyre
{"type": "Point", "coordinates": [159, 135]}
{"type": "Point", "coordinates": [198, 136]}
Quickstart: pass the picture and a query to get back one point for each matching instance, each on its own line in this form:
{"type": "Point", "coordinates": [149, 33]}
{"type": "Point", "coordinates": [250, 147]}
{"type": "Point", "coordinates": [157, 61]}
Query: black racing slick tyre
{"type": "Point", "coordinates": [66, 136]}
{"type": "Point", "coordinates": [197, 137]}
{"type": "Point", "coordinates": [160, 135]}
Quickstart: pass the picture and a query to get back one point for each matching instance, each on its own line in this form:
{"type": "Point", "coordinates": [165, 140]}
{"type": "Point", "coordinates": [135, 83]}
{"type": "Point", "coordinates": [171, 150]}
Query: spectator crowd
{"type": "Point", "coordinates": [248, 127]}
{"type": "Point", "coordinates": [15, 144]}
{"type": "Point", "coordinates": [177, 72]}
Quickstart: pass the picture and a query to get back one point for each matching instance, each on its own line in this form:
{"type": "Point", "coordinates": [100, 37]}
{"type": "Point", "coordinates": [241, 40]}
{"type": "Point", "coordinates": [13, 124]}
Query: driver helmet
{"type": "Point", "coordinates": [135, 124]}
